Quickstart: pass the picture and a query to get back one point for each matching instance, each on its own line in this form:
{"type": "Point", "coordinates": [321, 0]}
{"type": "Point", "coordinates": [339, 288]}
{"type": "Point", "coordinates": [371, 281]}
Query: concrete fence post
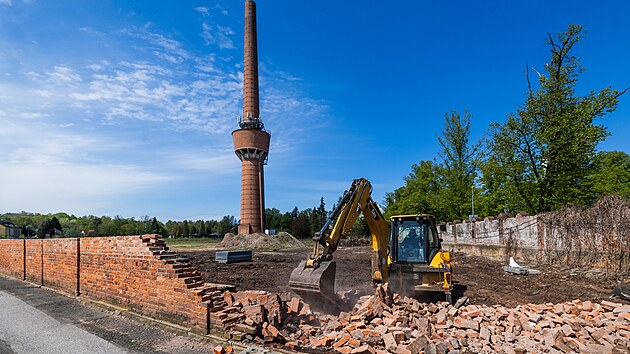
{"type": "Point", "coordinates": [501, 232]}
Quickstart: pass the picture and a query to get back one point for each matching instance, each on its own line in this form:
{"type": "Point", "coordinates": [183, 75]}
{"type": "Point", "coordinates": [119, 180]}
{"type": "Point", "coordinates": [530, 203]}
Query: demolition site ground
{"type": "Point", "coordinates": [485, 281]}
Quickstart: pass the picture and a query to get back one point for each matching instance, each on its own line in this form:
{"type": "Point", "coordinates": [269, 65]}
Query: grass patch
{"type": "Point", "coordinates": [187, 243]}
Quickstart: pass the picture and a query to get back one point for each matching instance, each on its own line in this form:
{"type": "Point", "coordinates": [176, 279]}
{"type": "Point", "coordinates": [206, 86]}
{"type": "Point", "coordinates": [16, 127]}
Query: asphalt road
{"type": "Point", "coordinates": [38, 320]}
{"type": "Point", "coordinates": [25, 329]}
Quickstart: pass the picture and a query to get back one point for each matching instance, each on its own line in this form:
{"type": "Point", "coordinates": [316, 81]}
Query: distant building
{"type": "Point", "coordinates": [9, 229]}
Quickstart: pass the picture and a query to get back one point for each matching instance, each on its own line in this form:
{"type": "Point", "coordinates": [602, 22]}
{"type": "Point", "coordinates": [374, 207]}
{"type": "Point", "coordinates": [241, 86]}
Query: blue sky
{"type": "Point", "coordinates": [126, 107]}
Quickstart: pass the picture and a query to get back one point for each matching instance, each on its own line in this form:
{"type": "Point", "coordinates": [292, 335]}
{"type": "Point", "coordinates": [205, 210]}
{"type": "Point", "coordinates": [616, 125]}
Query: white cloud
{"type": "Point", "coordinates": [59, 74]}
{"type": "Point", "coordinates": [144, 91]}
{"type": "Point", "coordinates": [64, 73]}
{"type": "Point", "coordinates": [216, 162]}
{"type": "Point", "coordinates": [165, 47]}
{"type": "Point", "coordinates": [62, 170]}
{"type": "Point", "coordinates": [95, 67]}
{"type": "Point", "coordinates": [91, 31]}
{"type": "Point", "coordinates": [6, 2]}
{"type": "Point", "coordinates": [73, 116]}
{"type": "Point", "coordinates": [214, 34]}
{"type": "Point", "coordinates": [203, 10]}
{"type": "Point", "coordinates": [73, 188]}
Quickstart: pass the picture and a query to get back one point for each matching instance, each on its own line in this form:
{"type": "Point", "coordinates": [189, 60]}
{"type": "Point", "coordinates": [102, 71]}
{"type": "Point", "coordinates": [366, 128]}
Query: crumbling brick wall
{"type": "Point", "coordinates": [135, 272]}
{"type": "Point", "coordinates": [131, 272]}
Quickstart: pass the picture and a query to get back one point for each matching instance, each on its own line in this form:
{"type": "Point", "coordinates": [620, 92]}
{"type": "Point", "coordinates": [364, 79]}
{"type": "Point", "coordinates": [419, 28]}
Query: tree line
{"type": "Point", "coordinates": [66, 225]}
{"type": "Point", "coordinates": [300, 223]}
{"type": "Point", "coordinates": [541, 158]}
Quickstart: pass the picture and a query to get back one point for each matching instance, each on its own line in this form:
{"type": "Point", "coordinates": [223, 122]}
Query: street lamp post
{"type": "Point", "coordinates": [472, 193]}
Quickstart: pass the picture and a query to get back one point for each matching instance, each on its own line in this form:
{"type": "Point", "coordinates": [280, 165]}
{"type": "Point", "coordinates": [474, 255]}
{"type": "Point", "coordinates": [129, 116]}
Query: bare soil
{"type": "Point", "coordinates": [484, 279]}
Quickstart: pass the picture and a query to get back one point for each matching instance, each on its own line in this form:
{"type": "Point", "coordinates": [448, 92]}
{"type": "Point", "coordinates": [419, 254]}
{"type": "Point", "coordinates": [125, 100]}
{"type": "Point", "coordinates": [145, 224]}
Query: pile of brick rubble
{"type": "Point", "coordinates": [389, 323]}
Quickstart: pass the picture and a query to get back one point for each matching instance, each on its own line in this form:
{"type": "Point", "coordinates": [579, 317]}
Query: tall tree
{"type": "Point", "coordinates": [301, 227]}
{"type": "Point", "coordinates": [323, 214]}
{"type": "Point", "coordinates": [227, 224]}
{"type": "Point", "coordinates": [419, 194]}
{"type": "Point", "coordinates": [202, 228]}
{"type": "Point", "coordinates": [611, 174]}
{"type": "Point", "coordinates": [48, 227]}
{"type": "Point", "coordinates": [544, 150]}
{"type": "Point", "coordinates": [460, 162]}
{"type": "Point", "coordinates": [185, 229]}
{"type": "Point", "coordinates": [155, 226]}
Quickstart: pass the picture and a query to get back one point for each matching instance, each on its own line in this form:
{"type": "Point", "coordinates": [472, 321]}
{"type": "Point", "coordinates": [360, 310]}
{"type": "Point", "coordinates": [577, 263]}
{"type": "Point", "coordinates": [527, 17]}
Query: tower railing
{"type": "Point", "coordinates": [250, 123]}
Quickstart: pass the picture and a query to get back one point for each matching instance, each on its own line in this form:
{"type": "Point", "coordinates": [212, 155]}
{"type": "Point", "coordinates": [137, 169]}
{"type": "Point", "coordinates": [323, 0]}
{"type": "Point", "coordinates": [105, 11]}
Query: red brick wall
{"type": "Point", "coordinates": [34, 261]}
{"type": "Point", "coordinates": [136, 272]}
{"type": "Point", "coordinates": [60, 264]}
{"type": "Point", "coordinates": [128, 271]}
{"type": "Point", "coordinates": [12, 258]}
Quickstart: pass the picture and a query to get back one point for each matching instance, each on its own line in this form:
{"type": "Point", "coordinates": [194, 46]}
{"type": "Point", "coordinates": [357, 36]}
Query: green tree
{"type": "Point", "coordinates": [48, 227]}
{"type": "Point", "coordinates": [172, 228]}
{"type": "Point", "coordinates": [611, 174]}
{"type": "Point", "coordinates": [360, 228]}
{"type": "Point", "coordinates": [460, 162]}
{"type": "Point", "coordinates": [497, 194]}
{"type": "Point", "coordinates": [185, 229]}
{"type": "Point", "coordinates": [202, 228]}
{"type": "Point", "coordinates": [227, 225]}
{"type": "Point", "coordinates": [419, 194]}
{"type": "Point", "coordinates": [273, 216]}
{"type": "Point", "coordinates": [301, 227]}
{"type": "Point", "coordinates": [285, 222]}
{"type": "Point", "coordinates": [544, 150]}
{"type": "Point", "coordinates": [43, 229]}
{"type": "Point", "coordinates": [212, 226]}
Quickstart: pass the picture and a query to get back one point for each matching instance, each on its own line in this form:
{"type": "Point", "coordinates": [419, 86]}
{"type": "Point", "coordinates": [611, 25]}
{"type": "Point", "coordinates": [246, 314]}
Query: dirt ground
{"type": "Point", "coordinates": [484, 279]}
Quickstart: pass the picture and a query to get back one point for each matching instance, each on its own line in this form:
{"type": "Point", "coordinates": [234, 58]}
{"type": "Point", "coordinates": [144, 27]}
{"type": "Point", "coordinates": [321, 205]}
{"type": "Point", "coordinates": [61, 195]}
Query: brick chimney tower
{"type": "Point", "coordinates": [251, 141]}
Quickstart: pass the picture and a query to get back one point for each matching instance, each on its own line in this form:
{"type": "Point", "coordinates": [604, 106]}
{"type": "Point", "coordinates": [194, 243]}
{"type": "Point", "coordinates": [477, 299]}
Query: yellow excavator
{"type": "Point", "coordinates": [406, 254]}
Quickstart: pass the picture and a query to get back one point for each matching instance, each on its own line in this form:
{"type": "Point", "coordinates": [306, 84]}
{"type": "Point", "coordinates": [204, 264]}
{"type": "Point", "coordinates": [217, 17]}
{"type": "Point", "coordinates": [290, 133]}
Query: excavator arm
{"type": "Point", "coordinates": [314, 279]}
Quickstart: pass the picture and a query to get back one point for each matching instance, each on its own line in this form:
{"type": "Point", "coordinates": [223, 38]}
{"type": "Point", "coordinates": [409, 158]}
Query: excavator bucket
{"type": "Point", "coordinates": [316, 286]}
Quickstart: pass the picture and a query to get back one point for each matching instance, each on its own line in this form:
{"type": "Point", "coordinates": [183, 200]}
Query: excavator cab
{"type": "Point", "coordinates": [413, 239]}
{"type": "Point", "coordinates": [418, 265]}
{"type": "Point", "coordinates": [410, 241]}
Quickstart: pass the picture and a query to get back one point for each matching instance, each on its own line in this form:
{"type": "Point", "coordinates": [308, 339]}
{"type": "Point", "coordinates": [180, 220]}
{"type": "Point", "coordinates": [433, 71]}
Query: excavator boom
{"type": "Point", "coordinates": [314, 279]}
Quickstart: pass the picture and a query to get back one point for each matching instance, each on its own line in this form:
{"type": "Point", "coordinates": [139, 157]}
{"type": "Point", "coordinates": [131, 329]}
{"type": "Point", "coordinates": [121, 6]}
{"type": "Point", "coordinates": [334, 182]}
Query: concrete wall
{"type": "Point", "coordinates": [135, 272]}
{"type": "Point", "coordinates": [521, 237]}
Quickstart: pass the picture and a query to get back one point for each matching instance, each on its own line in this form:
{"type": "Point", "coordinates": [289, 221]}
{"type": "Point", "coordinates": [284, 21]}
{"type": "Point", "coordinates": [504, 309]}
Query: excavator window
{"type": "Point", "coordinates": [412, 238]}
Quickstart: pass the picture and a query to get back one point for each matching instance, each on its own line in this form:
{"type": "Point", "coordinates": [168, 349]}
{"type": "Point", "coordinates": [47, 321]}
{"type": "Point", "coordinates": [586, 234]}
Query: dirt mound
{"type": "Point", "coordinates": [355, 242]}
{"type": "Point", "coordinates": [282, 240]}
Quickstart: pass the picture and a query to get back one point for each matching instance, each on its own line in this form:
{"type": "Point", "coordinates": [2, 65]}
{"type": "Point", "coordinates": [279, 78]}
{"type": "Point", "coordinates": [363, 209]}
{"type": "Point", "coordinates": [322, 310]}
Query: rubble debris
{"type": "Point", "coordinates": [233, 256]}
{"type": "Point", "coordinates": [390, 323]}
{"type": "Point", "coordinates": [283, 240]}
{"type": "Point", "coordinates": [517, 269]}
